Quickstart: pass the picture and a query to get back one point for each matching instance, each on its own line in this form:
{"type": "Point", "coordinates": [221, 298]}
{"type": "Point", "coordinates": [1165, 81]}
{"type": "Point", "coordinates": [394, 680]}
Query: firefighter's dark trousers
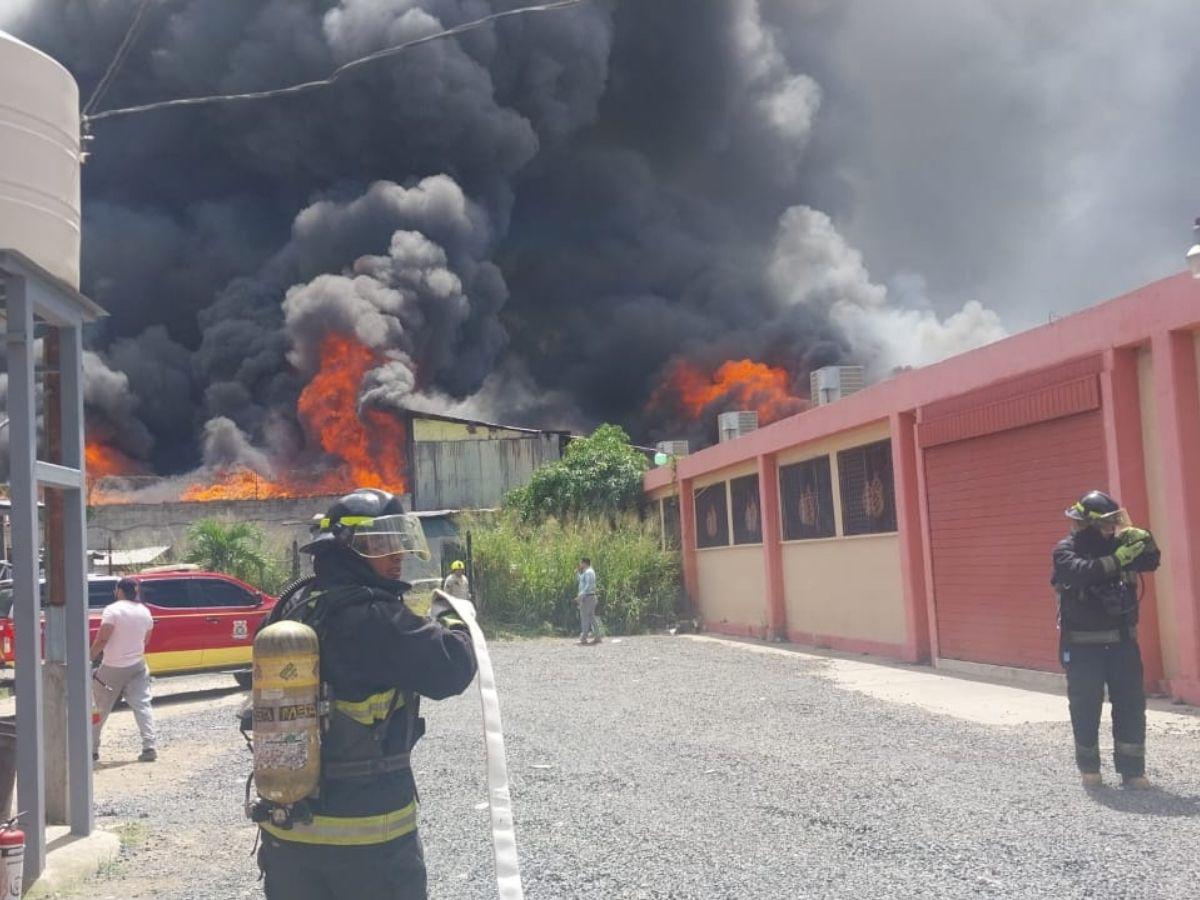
{"type": "Point", "coordinates": [391, 871]}
{"type": "Point", "coordinates": [1089, 668]}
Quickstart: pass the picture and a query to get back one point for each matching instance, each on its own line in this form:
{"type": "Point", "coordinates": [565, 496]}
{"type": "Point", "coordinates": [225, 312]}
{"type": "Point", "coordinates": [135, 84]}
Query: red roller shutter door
{"type": "Point", "coordinates": [995, 511]}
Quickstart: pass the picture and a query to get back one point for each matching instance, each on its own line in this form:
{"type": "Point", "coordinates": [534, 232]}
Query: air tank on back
{"type": "Point", "coordinates": [39, 159]}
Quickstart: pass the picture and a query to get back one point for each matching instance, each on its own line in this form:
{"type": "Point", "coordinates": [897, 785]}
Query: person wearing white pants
{"type": "Point", "coordinates": [120, 645]}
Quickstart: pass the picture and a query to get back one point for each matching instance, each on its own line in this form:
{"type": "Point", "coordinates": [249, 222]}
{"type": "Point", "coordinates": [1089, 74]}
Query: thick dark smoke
{"type": "Point", "coordinates": [536, 221]}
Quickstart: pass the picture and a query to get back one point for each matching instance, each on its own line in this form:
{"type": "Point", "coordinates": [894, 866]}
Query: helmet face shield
{"type": "Point", "coordinates": [1086, 518]}
{"type": "Point", "coordinates": [393, 535]}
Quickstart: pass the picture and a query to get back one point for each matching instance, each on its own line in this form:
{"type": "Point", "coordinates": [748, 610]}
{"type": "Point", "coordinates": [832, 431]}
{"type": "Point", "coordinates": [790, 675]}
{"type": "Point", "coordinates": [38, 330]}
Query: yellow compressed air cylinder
{"type": "Point", "coordinates": [287, 725]}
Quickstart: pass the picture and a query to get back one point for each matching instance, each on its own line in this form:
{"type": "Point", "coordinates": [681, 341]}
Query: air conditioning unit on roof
{"type": "Point", "coordinates": [732, 425]}
{"type": "Point", "coordinates": [832, 383]}
{"type": "Point", "coordinates": [672, 448]}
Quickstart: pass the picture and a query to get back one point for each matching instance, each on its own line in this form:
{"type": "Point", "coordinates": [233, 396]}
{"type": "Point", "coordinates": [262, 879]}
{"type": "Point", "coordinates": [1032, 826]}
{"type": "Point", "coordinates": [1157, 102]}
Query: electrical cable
{"type": "Point", "coordinates": [338, 72]}
{"type": "Point", "coordinates": [118, 60]}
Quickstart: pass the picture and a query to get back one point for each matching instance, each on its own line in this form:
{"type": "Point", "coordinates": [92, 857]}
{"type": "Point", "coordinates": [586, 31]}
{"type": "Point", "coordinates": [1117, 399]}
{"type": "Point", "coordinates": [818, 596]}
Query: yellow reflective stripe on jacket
{"type": "Point", "coordinates": [374, 708]}
{"type": "Point", "coordinates": [350, 831]}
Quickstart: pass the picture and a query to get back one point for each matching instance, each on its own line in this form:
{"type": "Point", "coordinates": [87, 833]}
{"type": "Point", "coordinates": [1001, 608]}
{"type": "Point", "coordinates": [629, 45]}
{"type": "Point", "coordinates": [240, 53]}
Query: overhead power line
{"type": "Point", "coordinates": [118, 60]}
{"type": "Point", "coordinates": [337, 73]}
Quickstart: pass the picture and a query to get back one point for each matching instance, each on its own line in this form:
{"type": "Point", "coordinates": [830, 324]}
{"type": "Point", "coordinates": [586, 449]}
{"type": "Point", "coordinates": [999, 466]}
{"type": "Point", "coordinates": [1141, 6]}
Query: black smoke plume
{"type": "Point", "coordinates": [531, 223]}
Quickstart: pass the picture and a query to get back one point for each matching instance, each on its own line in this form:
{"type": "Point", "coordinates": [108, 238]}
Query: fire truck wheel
{"type": "Point", "coordinates": [245, 679]}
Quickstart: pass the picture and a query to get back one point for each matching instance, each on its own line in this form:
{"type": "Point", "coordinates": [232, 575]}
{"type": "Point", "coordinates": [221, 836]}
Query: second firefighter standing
{"type": "Point", "coordinates": [1097, 575]}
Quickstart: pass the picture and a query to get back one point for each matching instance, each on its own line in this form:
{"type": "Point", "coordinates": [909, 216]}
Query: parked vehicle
{"type": "Point", "coordinates": [203, 621]}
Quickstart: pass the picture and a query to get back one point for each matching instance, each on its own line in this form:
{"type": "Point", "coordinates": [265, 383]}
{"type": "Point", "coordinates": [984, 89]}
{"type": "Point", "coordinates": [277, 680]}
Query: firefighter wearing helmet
{"type": "Point", "coordinates": [1097, 571]}
{"type": "Point", "coordinates": [456, 583]}
{"type": "Point", "coordinates": [357, 837]}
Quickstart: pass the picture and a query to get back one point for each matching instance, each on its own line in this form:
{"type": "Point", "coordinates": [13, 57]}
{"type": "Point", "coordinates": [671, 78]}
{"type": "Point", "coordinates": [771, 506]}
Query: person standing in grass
{"type": "Point", "coordinates": [456, 583]}
{"type": "Point", "coordinates": [585, 599]}
{"type": "Point", "coordinates": [120, 646]}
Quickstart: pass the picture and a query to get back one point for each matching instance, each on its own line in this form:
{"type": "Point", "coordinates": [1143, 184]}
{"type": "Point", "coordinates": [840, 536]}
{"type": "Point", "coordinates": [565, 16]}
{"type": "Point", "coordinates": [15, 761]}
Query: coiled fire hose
{"type": "Point", "coordinates": [504, 839]}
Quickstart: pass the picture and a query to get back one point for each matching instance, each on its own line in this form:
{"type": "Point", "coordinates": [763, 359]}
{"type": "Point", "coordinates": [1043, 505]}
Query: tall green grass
{"type": "Point", "coordinates": [525, 574]}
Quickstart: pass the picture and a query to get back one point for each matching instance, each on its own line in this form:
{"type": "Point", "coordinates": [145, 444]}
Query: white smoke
{"type": "Point", "coordinates": [785, 101]}
{"type": "Point", "coordinates": [813, 266]}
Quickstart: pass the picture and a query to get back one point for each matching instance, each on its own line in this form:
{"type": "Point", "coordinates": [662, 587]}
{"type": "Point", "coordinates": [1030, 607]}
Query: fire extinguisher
{"type": "Point", "coordinates": [12, 859]}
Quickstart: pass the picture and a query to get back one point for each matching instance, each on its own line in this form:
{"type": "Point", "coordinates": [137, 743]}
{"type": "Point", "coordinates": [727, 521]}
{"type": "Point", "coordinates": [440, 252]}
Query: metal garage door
{"type": "Point", "coordinates": [995, 511]}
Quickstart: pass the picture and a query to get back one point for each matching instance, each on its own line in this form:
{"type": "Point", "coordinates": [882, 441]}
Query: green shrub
{"type": "Point", "coordinates": [525, 573]}
{"type": "Point", "coordinates": [237, 549]}
{"type": "Point", "coordinates": [597, 475]}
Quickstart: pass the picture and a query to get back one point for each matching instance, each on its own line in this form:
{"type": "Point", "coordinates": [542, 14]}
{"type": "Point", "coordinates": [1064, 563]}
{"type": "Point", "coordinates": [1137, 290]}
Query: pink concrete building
{"type": "Point", "coordinates": [915, 519]}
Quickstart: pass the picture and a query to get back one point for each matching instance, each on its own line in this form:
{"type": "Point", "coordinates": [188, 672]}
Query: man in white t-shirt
{"type": "Point", "coordinates": [121, 645]}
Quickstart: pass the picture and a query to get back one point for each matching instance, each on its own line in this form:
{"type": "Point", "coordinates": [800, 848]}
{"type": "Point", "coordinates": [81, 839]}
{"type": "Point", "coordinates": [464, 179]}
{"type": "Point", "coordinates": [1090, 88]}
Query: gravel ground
{"type": "Point", "coordinates": [668, 768]}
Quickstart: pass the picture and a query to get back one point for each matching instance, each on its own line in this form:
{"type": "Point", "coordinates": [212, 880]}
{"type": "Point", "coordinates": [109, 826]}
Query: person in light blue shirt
{"type": "Point", "coordinates": [586, 601]}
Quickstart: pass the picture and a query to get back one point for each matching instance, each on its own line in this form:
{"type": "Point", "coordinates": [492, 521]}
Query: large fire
{"type": "Point", "coordinates": [371, 448]}
{"type": "Point", "coordinates": [736, 384]}
{"type": "Point", "coordinates": [102, 461]}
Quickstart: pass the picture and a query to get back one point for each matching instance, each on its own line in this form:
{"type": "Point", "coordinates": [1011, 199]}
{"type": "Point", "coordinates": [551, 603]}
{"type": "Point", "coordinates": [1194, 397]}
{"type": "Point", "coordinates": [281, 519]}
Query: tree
{"type": "Point", "coordinates": [599, 474]}
{"type": "Point", "coordinates": [235, 548]}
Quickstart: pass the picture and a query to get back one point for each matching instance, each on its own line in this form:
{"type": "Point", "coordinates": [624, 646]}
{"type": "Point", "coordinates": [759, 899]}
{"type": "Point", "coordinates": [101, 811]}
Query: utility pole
{"type": "Point", "coordinates": [54, 670]}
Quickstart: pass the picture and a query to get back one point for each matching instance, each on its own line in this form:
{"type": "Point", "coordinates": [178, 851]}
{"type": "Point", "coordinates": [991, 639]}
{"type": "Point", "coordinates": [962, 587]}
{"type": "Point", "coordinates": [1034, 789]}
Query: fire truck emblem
{"type": "Point", "coordinates": [808, 507]}
{"type": "Point", "coordinates": [873, 503]}
{"type": "Point", "coordinates": [240, 630]}
{"type": "Point", "coordinates": [710, 522]}
{"type": "Point", "coordinates": [751, 516]}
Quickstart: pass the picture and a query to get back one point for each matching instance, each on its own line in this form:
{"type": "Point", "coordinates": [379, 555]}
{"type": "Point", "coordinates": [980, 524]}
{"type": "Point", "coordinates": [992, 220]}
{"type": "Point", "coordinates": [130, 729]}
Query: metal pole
{"type": "Point", "coordinates": [31, 771]}
{"type": "Point", "coordinates": [74, 547]}
{"type": "Point", "coordinates": [54, 675]}
{"type": "Point", "coordinates": [110, 559]}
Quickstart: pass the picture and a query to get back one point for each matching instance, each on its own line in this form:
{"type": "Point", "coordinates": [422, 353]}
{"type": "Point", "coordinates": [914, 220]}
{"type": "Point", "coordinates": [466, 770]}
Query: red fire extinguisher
{"type": "Point", "coordinates": [12, 860]}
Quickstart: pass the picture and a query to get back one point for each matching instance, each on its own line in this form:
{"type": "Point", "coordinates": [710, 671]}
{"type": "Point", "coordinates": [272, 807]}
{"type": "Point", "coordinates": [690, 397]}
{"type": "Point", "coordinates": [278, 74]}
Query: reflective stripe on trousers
{"type": "Point", "coordinates": [350, 831]}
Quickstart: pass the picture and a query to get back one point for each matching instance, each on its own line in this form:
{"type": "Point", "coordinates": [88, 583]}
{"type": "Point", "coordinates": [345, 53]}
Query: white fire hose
{"type": "Point", "coordinates": [504, 839]}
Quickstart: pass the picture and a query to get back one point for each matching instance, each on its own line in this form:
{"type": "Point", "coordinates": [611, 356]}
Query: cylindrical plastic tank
{"type": "Point", "coordinates": [39, 159]}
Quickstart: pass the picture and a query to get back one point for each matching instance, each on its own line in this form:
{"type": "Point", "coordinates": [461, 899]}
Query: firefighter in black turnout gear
{"type": "Point", "coordinates": [1097, 576]}
{"type": "Point", "coordinates": [377, 656]}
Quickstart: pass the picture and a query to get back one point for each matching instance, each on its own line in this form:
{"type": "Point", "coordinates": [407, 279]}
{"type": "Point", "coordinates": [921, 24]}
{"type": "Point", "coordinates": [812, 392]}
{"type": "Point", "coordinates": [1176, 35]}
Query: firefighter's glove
{"type": "Point", "coordinates": [440, 610]}
{"type": "Point", "coordinates": [1127, 553]}
{"type": "Point", "coordinates": [1133, 535]}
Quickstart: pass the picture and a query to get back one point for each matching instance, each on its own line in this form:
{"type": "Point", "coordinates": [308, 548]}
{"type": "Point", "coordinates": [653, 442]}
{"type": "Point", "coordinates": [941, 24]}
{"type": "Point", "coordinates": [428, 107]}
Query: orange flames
{"type": "Point", "coordinates": [371, 448]}
{"type": "Point", "coordinates": [736, 384]}
{"type": "Point", "coordinates": [102, 460]}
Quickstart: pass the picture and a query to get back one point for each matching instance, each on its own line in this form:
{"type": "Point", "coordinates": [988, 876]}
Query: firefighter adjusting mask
{"type": "Point", "coordinates": [1098, 510]}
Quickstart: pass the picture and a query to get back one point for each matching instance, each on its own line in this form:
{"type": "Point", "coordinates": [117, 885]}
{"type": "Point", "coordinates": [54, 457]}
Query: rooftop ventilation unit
{"type": "Point", "coordinates": [672, 448]}
{"type": "Point", "coordinates": [732, 425]}
{"type": "Point", "coordinates": [832, 383]}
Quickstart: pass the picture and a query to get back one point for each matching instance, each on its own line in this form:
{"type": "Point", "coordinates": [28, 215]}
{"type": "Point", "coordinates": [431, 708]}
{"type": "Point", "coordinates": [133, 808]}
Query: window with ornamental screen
{"type": "Point", "coordinates": [712, 516]}
{"type": "Point", "coordinates": [806, 500]}
{"type": "Point", "coordinates": [868, 493]}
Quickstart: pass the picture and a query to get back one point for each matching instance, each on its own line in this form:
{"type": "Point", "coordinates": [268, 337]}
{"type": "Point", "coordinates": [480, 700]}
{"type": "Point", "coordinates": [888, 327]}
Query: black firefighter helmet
{"type": "Point", "coordinates": [371, 523]}
{"type": "Point", "coordinates": [1096, 508]}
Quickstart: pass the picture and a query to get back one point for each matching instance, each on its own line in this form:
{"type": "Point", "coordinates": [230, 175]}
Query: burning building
{"type": "Point", "coordinates": [441, 464]}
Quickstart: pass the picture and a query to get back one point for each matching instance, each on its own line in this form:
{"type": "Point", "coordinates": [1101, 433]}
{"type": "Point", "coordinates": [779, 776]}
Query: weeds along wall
{"type": "Point", "coordinates": [525, 574]}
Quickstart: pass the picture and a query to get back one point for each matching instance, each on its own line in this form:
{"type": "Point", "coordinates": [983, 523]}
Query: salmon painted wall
{"type": "Point", "coordinates": [852, 589]}
{"type": "Point", "coordinates": [732, 589]}
{"type": "Point", "coordinates": [844, 592]}
{"type": "Point", "coordinates": [1155, 492]}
